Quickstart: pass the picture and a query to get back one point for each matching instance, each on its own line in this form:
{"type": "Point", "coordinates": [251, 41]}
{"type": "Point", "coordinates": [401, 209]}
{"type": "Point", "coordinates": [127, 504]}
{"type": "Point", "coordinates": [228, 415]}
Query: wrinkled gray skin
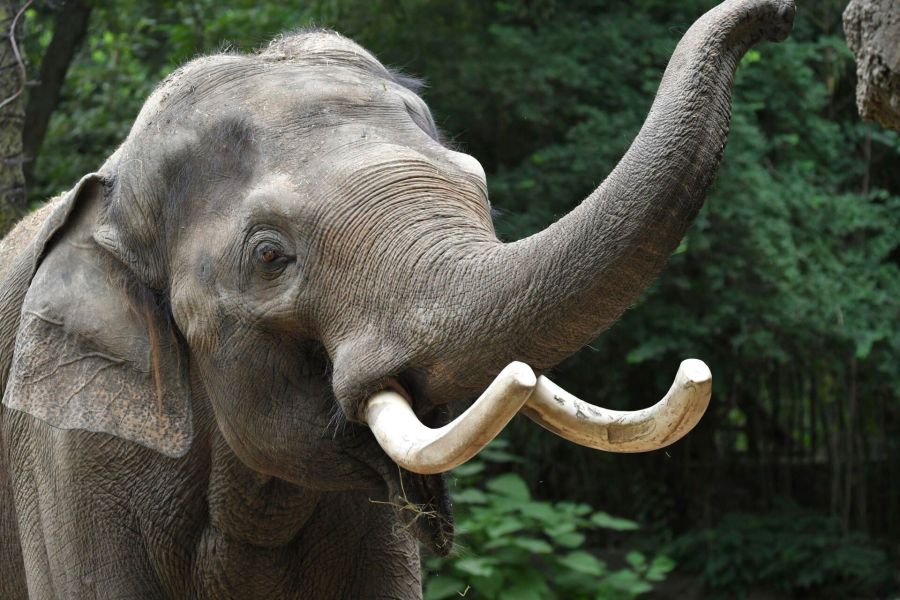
{"type": "Point", "coordinates": [289, 234]}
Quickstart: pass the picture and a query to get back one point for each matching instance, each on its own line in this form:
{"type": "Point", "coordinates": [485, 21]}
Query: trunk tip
{"type": "Point", "coordinates": [780, 19]}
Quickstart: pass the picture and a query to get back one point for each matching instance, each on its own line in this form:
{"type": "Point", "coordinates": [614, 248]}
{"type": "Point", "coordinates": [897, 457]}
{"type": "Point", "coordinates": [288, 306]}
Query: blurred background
{"type": "Point", "coordinates": [788, 284]}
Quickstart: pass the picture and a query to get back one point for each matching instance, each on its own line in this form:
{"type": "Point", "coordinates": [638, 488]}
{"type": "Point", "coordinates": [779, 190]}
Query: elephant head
{"type": "Point", "coordinates": [285, 236]}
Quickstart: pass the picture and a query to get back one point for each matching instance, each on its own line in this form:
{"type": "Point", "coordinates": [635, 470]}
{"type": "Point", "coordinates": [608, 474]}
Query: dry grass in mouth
{"type": "Point", "coordinates": [418, 510]}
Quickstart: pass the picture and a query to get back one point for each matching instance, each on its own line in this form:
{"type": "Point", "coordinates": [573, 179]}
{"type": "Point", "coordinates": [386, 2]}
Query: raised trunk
{"type": "Point", "coordinates": [553, 292]}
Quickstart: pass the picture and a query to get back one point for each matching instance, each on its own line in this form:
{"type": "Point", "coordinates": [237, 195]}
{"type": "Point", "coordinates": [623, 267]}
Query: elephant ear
{"type": "Point", "coordinates": [95, 349]}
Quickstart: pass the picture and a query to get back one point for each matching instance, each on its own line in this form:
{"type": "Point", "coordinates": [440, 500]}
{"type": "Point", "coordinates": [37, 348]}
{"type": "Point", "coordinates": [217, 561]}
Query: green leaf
{"type": "Point", "coordinates": [533, 545]}
{"type": "Point", "coordinates": [583, 562]}
{"type": "Point", "coordinates": [490, 586]}
{"type": "Point", "coordinates": [521, 592]}
{"type": "Point", "coordinates": [607, 521]}
{"type": "Point", "coordinates": [659, 568]}
{"type": "Point", "coordinates": [504, 504]}
{"type": "Point", "coordinates": [510, 485]}
{"type": "Point", "coordinates": [751, 57]}
{"type": "Point", "coordinates": [468, 469]}
{"type": "Point", "coordinates": [636, 560]}
{"type": "Point", "coordinates": [504, 526]}
{"type": "Point", "coordinates": [627, 581]}
{"type": "Point", "coordinates": [480, 567]}
{"type": "Point", "coordinates": [527, 584]}
{"type": "Point", "coordinates": [569, 540]}
{"type": "Point", "coordinates": [541, 511]}
{"type": "Point", "coordinates": [561, 528]}
{"type": "Point", "coordinates": [444, 586]}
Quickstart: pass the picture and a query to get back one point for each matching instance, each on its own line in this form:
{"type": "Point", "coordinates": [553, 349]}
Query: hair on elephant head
{"type": "Point", "coordinates": [284, 238]}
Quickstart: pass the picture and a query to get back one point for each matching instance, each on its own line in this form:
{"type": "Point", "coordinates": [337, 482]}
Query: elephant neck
{"type": "Point", "coordinates": [252, 508]}
{"type": "Point", "coordinates": [267, 538]}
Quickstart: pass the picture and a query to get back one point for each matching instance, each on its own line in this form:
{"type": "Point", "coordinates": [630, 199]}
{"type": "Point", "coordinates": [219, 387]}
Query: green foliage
{"type": "Point", "coordinates": [514, 546]}
{"type": "Point", "coordinates": [791, 551]}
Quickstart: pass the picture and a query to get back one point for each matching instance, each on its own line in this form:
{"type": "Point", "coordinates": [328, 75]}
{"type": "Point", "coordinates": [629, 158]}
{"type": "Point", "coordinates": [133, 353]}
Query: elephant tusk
{"type": "Point", "coordinates": [423, 450]}
{"type": "Point", "coordinates": [426, 451]}
{"type": "Point", "coordinates": [652, 428]}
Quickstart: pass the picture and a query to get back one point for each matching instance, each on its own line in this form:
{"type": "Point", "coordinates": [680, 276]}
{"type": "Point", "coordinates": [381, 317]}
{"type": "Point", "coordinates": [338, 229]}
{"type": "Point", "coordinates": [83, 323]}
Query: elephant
{"type": "Point", "coordinates": [231, 357]}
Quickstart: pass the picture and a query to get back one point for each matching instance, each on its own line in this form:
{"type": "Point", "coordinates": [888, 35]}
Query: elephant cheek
{"type": "Point", "coordinates": [198, 320]}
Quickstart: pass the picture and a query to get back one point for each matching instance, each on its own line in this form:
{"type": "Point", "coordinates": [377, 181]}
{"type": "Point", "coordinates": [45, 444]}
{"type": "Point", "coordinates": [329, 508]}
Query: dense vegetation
{"type": "Point", "coordinates": [788, 285]}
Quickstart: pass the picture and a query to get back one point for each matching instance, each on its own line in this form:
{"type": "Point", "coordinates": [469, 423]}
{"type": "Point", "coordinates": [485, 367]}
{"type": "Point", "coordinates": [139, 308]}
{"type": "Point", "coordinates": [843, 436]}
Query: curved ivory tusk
{"type": "Point", "coordinates": [625, 431]}
{"type": "Point", "coordinates": [423, 450]}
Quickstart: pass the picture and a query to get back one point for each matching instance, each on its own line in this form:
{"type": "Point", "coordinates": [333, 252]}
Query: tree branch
{"type": "Point", "coordinates": [69, 29]}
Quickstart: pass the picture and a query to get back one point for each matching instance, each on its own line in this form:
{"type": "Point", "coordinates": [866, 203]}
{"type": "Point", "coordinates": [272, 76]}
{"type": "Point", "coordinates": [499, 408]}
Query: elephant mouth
{"type": "Point", "coordinates": [422, 504]}
{"type": "Point", "coordinates": [420, 455]}
{"type": "Point", "coordinates": [421, 501]}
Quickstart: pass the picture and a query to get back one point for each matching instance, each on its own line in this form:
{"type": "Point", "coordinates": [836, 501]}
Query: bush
{"type": "Point", "coordinates": [512, 546]}
{"type": "Point", "coordinates": [791, 550]}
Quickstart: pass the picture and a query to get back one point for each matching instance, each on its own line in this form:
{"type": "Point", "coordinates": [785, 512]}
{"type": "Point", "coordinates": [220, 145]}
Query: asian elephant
{"type": "Point", "coordinates": [195, 339]}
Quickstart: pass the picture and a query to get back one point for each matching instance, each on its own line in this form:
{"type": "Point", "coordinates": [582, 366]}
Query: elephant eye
{"type": "Point", "coordinates": [271, 255]}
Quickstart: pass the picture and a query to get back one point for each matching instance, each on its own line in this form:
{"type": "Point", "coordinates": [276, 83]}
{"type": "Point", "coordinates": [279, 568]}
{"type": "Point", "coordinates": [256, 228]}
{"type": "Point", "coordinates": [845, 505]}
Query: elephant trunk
{"type": "Point", "coordinates": [549, 294]}
{"type": "Point", "coordinates": [541, 298]}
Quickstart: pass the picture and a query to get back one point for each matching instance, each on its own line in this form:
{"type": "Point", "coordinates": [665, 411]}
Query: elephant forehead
{"type": "Point", "coordinates": [309, 105]}
{"type": "Point", "coordinates": [326, 47]}
{"type": "Point", "coordinates": [318, 87]}
{"type": "Point", "coordinates": [288, 97]}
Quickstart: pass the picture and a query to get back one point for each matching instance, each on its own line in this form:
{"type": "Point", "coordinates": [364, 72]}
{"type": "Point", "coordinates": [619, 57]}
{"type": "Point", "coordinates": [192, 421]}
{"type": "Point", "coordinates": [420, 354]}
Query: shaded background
{"type": "Point", "coordinates": [788, 284]}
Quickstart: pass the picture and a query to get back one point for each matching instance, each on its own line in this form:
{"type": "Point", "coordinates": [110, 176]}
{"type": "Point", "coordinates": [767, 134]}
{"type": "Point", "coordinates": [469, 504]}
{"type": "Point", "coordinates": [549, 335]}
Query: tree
{"type": "Point", "coordinates": [69, 29]}
{"type": "Point", "coordinates": [12, 89]}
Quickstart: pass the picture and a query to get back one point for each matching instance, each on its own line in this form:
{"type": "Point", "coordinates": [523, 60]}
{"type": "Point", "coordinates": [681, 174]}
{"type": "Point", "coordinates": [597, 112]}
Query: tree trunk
{"type": "Point", "coordinates": [872, 28]}
{"type": "Point", "coordinates": [12, 115]}
{"type": "Point", "coordinates": [69, 29]}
